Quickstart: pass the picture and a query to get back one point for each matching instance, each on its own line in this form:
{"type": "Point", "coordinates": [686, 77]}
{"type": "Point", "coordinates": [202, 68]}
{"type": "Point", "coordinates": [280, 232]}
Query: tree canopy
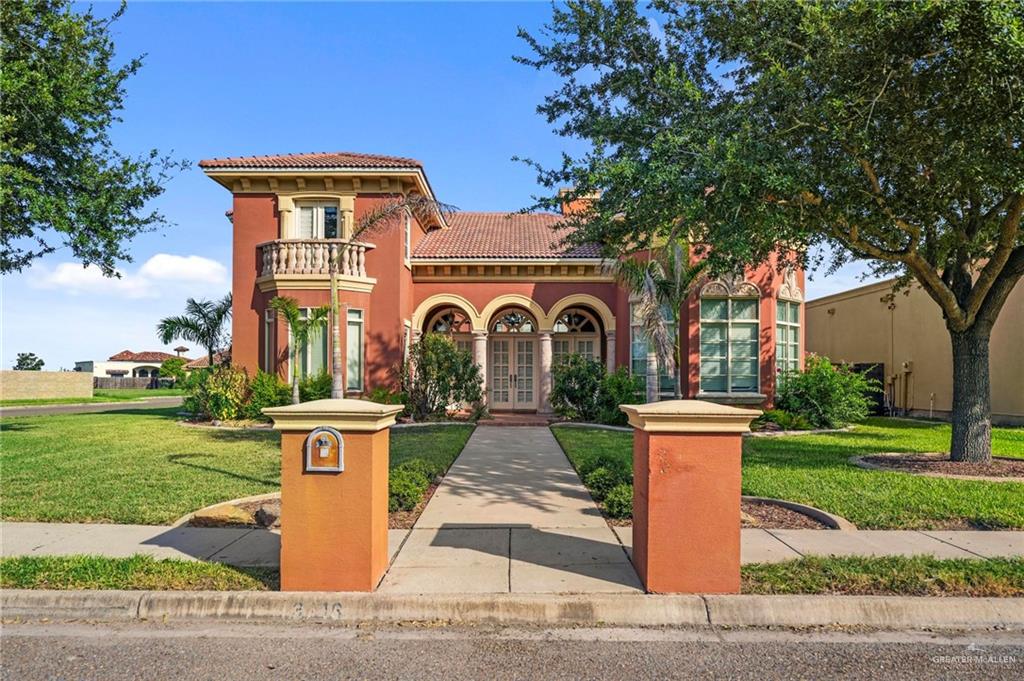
{"type": "Point", "coordinates": [62, 182]}
{"type": "Point", "coordinates": [27, 361]}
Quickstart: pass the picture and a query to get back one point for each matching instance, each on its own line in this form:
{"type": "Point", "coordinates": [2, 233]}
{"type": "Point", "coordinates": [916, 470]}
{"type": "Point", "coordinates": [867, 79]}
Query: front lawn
{"type": "Point", "coordinates": [113, 395]}
{"type": "Point", "coordinates": [142, 466]}
{"type": "Point", "coordinates": [814, 470]}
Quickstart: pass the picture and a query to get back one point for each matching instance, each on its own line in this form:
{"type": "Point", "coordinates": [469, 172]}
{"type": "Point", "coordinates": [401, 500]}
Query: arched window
{"type": "Point", "coordinates": [730, 337]}
{"type": "Point", "coordinates": [455, 323]}
{"type": "Point", "coordinates": [575, 332]}
{"type": "Point", "coordinates": [513, 321]}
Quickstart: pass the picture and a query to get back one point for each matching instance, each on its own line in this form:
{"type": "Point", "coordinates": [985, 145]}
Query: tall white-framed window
{"type": "Point", "coordinates": [787, 336]}
{"type": "Point", "coordinates": [575, 332]}
{"type": "Point", "coordinates": [408, 236]}
{"type": "Point", "coordinates": [316, 220]}
{"type": "Point", "coordinates": [729, 345]}
{"type": "Point", "coordinates": [312, 357]}
{"type": "Point", "coordinates": [269, 341]}
{"type": "Point", "coordinates": [640, 348]}
{"type": "Point", "coordinates": [354, 351]}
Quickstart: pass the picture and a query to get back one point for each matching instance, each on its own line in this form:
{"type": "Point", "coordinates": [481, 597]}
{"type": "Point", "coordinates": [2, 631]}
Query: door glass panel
{"type": "Point", "coordinates": [585, 348]}
{"type": "Point", "coordinates": [524, 372]}
{"type": "Point", "coordinates": [500, 371]}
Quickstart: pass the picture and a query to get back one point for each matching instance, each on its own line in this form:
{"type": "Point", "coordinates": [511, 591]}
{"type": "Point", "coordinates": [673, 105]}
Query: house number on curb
{"type": "Point", "coordinates": [325, 451]}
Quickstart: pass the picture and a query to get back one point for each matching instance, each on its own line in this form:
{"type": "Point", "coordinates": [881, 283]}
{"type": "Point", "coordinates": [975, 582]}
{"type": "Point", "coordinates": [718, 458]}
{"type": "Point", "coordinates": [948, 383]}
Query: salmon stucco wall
{"type": "Point", "coordinates": [255, 220]}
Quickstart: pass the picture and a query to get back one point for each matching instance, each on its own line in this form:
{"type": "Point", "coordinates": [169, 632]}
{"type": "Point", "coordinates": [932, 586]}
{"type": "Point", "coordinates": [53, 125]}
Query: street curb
{"type": "Point", "coordinates": [882, 612]}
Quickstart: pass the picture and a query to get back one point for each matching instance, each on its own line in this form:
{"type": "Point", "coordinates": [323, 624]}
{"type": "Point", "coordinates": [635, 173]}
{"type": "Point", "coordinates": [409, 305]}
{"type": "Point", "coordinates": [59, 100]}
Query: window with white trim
{"type": "Point", "coordinates": [639, 347]}
{"type": "Point", "coordinates": [729, 344]}
{"type": "Point", "coordinates": [269, 341]}
{"type": "Point", "coordinates": [354, 351]}
{"type": "Point", "coordinates": [787, 337]}
{"type": "Point", "coordinates": [575, 332]}
{"type": "Point", "coordinates": [313, 357]}
{"type": "Point", "coordinates": [316, 220]}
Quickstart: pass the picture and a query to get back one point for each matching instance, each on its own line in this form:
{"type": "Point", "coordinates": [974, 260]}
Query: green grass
{"type": "Point", "coordinates": [114, 395]}
{"type": "Point", "coordinates": [905, 576]}
{"type": "Point", "coordinates": [137, 572]}
{"type": "Point", "coordinates": [917, 576]}
{"type": "Point", "coordinates": [814, 469]}
{"type": "Point", "coordinates": [142, 466]}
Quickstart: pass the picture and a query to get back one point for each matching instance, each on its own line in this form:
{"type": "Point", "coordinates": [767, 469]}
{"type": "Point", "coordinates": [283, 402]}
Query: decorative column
{"type": "Point", "coordinates": [334, 493]}
{"type": "Point", "coordinates": [545, 373]}
{"type": "Point", "coordinates": [480, 356]}
{"type": "Point", "coordinates": [609, 351]}
{"type": "Point", "coordinates": [653, 387]}
{"type": "Point", "coordinates": [686, 494]}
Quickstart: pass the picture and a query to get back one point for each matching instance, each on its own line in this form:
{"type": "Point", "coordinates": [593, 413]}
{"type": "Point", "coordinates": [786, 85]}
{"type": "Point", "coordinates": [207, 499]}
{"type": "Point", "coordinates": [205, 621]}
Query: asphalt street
{"type": "Point", "coordinates": [254, 652]}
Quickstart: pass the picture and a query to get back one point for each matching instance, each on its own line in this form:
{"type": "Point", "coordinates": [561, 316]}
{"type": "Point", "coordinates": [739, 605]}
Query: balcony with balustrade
{"type": "Point", "coordinates": [309, 264]}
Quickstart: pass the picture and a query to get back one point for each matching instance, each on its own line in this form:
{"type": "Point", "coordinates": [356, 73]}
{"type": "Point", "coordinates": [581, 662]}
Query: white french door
{"type": "Point", "coordinates": [513, 373]}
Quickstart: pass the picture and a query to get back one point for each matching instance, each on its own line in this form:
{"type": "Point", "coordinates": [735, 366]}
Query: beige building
{"type": "Point", "coordinates": [906, 335]}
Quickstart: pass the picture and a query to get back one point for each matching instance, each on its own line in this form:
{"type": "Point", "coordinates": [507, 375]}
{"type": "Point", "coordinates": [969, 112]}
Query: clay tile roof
{"type": "Point", "coordinates": [147, 356]}
{"type": "Point", "coordinates": [501, 235]}
{"type": "Point", "coordinates": [219, 357]}
{"type": "Point", "coordinates": [320, 159]}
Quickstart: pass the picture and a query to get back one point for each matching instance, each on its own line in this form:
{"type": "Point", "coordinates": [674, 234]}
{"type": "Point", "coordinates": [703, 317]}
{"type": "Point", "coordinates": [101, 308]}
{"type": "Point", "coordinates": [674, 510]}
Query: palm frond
{"type": "Point", "coordinates": [389, 212]}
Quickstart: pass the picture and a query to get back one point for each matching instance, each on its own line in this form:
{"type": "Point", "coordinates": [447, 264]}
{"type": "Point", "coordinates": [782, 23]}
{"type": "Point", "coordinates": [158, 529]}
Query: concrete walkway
{"type": "Point", "coordinates": [92, 407]}
{"type": "Point", "coordinates": [511, 516]}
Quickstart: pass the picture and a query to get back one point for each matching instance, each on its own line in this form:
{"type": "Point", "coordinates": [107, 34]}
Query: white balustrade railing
{"type": "Point", "coordinates": [313, 256]}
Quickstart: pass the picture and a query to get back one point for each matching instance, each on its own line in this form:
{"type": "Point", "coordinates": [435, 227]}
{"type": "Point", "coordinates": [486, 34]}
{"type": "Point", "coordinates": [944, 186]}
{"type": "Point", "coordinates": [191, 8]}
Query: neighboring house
{"type": "Point", "coordinates": [498, 284]}
{"type": "Point", "coordinates": [127, 364]}
{"type": "Point", "coordinates": [905, 337]}
{"type": "Point", "coordinates": [219, 357]}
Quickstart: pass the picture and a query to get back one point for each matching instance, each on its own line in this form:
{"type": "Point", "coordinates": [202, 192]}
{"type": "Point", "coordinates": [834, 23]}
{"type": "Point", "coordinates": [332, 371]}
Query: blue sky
{"type": "Point", "coordinates": [434, 81]}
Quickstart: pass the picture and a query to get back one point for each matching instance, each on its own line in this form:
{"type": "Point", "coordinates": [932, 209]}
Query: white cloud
{"type": "Point", "coordinates": [167, 267]}
{"type": "Point", "coordinates": [155, 277]}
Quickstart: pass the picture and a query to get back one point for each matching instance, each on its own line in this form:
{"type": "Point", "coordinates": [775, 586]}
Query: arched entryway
{"type": "Point", "coordinates": [454, 323]}
{"type": "Point", "coordinates": [512, 360]}
{"type": "Point", "coordinates": [576, 331]}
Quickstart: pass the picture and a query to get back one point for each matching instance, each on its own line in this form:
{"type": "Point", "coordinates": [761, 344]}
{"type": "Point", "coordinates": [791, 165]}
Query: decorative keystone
{"type": "Point", "coordinates": [346, 415]}
{"type": "Point", "coordinates": [689, 416]}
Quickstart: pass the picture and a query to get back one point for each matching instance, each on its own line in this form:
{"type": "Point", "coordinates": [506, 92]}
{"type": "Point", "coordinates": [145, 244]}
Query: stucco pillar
{"type": "Point", "coordinates": [334, 493]}
{"type": "Point", "coordinates": [480, 356]}
{"type": "Point", "coordinates": [652, 377]}
{"type": "Point", "coordinates": [686, 494]}
{"type": "Point", "coordinates": [545, 373]}
{"type": "Point", "coordinates": [609, 351]}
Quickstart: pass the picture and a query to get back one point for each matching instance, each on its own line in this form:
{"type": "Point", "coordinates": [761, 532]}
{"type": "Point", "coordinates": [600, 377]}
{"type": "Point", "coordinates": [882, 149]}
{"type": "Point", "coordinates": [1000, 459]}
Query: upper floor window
{"type": "Point", "coordinates": [317, 220]}
{"type": "Point", "coordinates": [729, 333]}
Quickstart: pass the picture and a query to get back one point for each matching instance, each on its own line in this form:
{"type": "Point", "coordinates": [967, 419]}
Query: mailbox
{"type": "Point", "coordinates": [325, 451]}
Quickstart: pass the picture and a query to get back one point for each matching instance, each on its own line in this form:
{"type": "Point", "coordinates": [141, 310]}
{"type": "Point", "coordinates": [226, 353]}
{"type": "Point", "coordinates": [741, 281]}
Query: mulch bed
{"type": "Point", "coordinates": [267, 514]}
{"type": "Point", "coordinates": [758, 515]}
{"type": "Point", "coordinates": [939, 464]}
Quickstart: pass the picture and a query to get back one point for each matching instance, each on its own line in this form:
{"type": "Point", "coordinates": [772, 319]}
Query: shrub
{"type": "Point", "coordinates": [619, 387]}
{"type": "Point", "coordinates": [601, 481]}
{"type": "Point", "coordinates": [384, 395]}
{"type": "Point", "coordinates": [405, 488]}
{"type": "Point", "coordinates": [266, 390]}
{"type": "Point", "coordinates": [438, 377]}
{"type": "Point", "coordinates": [173, 367]}
{"type": "Point", "coordinates": [576, 392]}
{"type": "Point", "coordinates": [428, 469]}
{"type": "Point", "coordinates": [827, 395]}
{"type": "Point", "coordinates": [619, 502]}
{"type": "Point", "coordinates": [783, 419]}
{"type": "Point", "coordinates": [315, 387]}
{"type": "Point", "coordinates": [217, 394]}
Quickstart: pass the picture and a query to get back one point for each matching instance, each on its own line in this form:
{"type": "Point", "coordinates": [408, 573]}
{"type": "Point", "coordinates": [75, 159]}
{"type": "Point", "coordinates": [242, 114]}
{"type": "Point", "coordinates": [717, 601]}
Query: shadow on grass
{"type": "Point", "coordinates": [180, 459]}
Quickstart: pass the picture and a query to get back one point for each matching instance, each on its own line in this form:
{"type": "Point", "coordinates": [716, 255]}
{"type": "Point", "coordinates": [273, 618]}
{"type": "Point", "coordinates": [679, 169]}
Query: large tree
{"type": "Point", "coordinates": [62, 182]}
{"type": "Point", "coordinates": [883, 132]}
{"type": "Point", "coordinates": [204, 322]}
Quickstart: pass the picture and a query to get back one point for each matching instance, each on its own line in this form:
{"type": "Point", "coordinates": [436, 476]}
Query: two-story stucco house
{"type": "Point", "coordinates": [498, 284]}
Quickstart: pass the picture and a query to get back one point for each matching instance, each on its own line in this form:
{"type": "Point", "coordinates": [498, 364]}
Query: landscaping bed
{"type": "Point", "coordinates": [815, 470]}
{"type": "Point", "coordinates": [938, 464]}
{"type": "Point", "coordinates": [890, 576]}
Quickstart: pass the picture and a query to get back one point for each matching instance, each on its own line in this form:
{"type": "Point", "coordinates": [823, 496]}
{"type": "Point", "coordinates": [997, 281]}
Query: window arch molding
{"type": "Point", "coordinates": [428, 307]}
{"type": "Point", "coordinates": [513, 320]}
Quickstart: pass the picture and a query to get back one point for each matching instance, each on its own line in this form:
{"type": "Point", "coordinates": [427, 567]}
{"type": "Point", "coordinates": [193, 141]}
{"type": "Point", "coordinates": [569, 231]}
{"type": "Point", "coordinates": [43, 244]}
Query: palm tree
{"type": "Point", "coordinates": [203, 323]}
{"type": "Point", "coordinates": [384, 216]}
{"type": "Point", "coordinates": [662, 282]}
{"type": "Point", "coordinates": [301, 329]}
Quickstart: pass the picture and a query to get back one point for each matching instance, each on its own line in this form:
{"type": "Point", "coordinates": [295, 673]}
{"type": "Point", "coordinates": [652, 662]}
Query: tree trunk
{"type": "Point", "coordinates": [679, 359]}
{"type": "Point", "coordinates": [295, 376]}
{"type": "Point", "coordinates": [337, 391]}
{"type": "Point", "coordinates": [972, 399]}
